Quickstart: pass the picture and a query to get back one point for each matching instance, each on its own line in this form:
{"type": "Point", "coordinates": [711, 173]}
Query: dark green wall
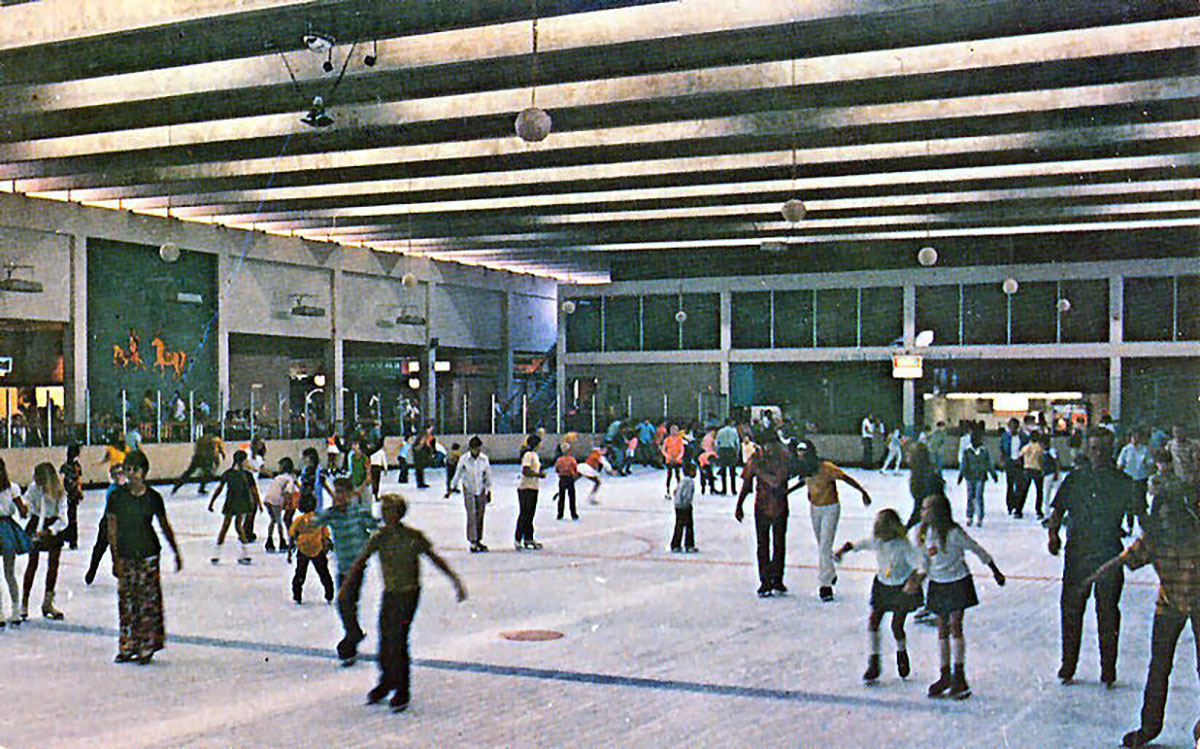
{"type": "Point", "coordinates": [129, 286]}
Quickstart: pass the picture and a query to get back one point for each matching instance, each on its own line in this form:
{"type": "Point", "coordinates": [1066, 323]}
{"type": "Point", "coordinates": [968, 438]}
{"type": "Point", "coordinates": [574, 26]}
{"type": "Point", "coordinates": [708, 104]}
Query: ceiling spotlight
{"type": "Point", "coordinates": [1064, 305]}
{"type": "Point", "coordinates": [681, 317]}
{"type": "Point", "coordinates": [317, 116]}
{"type": "Point", "coordinates": [369, 61]}
{"type": "Point", "coordinates": [924, 338]}
{"type": "Point", "coordinates": [568, 307]}
{"type": "Point", "coordinates": [533, 124]}
{"type": "Point", "coordinates": [927, 256]}
{"type": "Point", "coordinates": [327, 66]}
{"type": "Point", "coordinates": [1010, 286]}
{"type": "Point", "coordinates": [318, 42]}
{"type": "Point", "coordinates": [793, 211]}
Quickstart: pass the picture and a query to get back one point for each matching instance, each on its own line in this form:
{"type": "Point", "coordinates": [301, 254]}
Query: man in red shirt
{"type": "Point", "coordinates": [769, 469]}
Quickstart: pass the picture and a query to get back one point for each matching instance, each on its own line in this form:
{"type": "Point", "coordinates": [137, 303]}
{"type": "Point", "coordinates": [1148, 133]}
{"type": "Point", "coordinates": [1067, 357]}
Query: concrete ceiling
{"type": "Point", "coordinates": [679, 127]}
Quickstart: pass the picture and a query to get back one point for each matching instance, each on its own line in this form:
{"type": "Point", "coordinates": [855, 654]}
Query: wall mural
{"type": "Point", "coordinates": [151, 325]}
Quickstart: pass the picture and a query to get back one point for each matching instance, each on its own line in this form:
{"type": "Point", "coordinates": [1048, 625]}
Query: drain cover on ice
{"type": "Point", "coordinates": [531, 635]}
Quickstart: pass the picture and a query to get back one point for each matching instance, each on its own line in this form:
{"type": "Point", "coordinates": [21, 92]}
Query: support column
{"type": "Point", "coordinates": [1116, 335]}
{"type": "Point", "coordinates": [428, 357]}
{"type": "Point", "coordinates": [726, 338]}
{"type": "Point", "coordinates": [909, 387]}
{"type": "Point", "coordinates": [75, 357]}
{"type": "Point", "coordinates": [560, 370]}
{"type": "Point", "coordinates": [224, 279]}
{"type": "Point", "coordinates": [337, 375]}
{"type": "Point", "coordinates": [504, 373]}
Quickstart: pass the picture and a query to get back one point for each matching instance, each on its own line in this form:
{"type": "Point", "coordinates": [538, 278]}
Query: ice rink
{"type": "Point", "coordinates": [658, 649]}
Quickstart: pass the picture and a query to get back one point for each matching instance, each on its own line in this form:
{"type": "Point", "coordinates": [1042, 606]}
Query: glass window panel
{"type": "Point", "coordinates": [660, 330]}
{"type": "Point", "coordinates": [937, 310]}
{"type": "Point", "coordinates": [1087, 320]}
{"type": "Point", "coordinates": [985, 314]}
{"type": "Point", "coordinates": [1149, 309]}
{"type": "Point", "coordinates": [751, 320]}
{"type": "Point", "coordinates": [702, 329]}
{"type": "Point", "coordinates": [621, 325]}
{"type": "Point", "coordinates": [1033, 313]}
{"type": "Point", "coordinates": [583, 325]}
{"type": "Point", "coordinates": [837, 317]}
{"type": "Point", "coordinates": [883, 316]}
{"type": "Point", "coordinates": [794, 319]}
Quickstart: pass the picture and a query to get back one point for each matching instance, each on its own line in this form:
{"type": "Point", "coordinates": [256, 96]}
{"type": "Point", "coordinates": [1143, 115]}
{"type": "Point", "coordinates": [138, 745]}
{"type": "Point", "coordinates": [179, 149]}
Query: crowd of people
{"type": "Point", "coordinates": [1150, 485]}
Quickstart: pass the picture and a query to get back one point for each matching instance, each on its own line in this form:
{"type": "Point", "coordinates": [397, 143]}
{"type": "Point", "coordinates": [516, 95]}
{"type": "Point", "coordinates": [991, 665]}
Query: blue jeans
{"type": "Point", "coordinates": [975, 498]}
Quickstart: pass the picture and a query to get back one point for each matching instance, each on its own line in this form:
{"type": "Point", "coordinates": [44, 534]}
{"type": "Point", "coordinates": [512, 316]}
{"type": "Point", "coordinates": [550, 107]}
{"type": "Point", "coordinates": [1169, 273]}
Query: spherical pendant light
{"type": "Point", "coordinates": [1010, 286]}
{"type": "Point", "coordinates": [681, 317]}
{"type": "Point", "coordinates": [168, 252]}
{"type": "Point", "coordinates": [568, 307]}
{"type": "Point", "coordinates": [927, 256]}
{"type": "Point", "coordinates": [1064, 305]}
{"type": "Point", "coordinates": [793, 211]}
{"type": "Point", "coordinates": [533, 124]}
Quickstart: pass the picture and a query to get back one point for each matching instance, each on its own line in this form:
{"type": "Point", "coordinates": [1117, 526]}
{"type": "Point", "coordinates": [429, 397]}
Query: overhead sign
{"type": "Point", "coordinates": [5, 365]}
{"type": "Point", "coordinates": [905, 367]}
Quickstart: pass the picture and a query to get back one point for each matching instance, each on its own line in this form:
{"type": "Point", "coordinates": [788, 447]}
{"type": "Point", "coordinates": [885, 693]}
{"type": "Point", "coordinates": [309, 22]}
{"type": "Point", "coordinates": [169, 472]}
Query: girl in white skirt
{"type": "Point", "coordinates": [896, 588]}
{"type": "Point", "coordinates": [13, 540]}
{"type": "Point", "coordinates": [951, 590]}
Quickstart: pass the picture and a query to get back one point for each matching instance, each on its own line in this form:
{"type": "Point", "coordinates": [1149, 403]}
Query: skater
{"type": "Point", "coordinates": [527, 494]}
{"type": "Point", "coordinates": [706, 460]}
{"type": "Point", "coordinates": [727, 456]}
{"type": "Point", "coordinates": [672, 452]}
{"type": "Point", "coordinates": [567, 469]}
{"type": "Point", "coordinates": [240, 498]}
{"type": "Point", "coordinates": [256, 464]}
{"type": "Point", "coordinates": [821, 477]}
{"type": "Point", "coordinates": [13, 541]}
{"type": "Point", "coordinates": [684, 537]}
{"type": "Point", "coordinates": [351, 524]}
{"type": "Point", "coordinates": [1169, 543]}
{"type": "Point", "coordinates": [131, 509]}
{"type": "Point", "coordinates": [767, 471]}
{"type": "Point", "coordinates": [591, 469]}
{"type": "Point", "coordinates": [1091, 502]}
{"type": "Point", "coordinates": [400, 548]}
{"type": "Point", "coordinates": [923, 479]}
{"type": "Point", "coordinates": [1033, 457]}
{"type": "Point", "coordinates": [278, 495]}
{"type": "Point", "coordinates": [378, 467]}
{"type": "Point", "coordinates": [474, 475]}
{"type": "Point", "coordinates": [951, 589]}
{"type": "Point", "coordinates": [452, 457]}
{"type": "Point", "coordinates": [1137, 462]}
{"type": "Point", "coordinates": [46, 529]}
{"type": "Point", "coordinates": [116, 477]}
{"type": "Point", "coordinates": [1011, 443]}
{"type": "Point", "coordinates": [867, 433]}
{"type": "Point", "coordinates": [207, 454]}
{"type": "Point", "coordinates": [72, 478]}
{"type": "Point", "coordinates": [896, 588]}
{"type": "Point", "coordinates": [895, 452]}
{"type": "Point", "coordinates": [312, 547]}
{"type": "Point", "coordinates": [976, 469]}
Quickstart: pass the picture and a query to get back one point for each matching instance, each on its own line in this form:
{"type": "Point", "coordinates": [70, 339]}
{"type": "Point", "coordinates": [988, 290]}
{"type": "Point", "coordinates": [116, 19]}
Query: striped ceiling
{"type": "Point", "coordinates": [679, 127]}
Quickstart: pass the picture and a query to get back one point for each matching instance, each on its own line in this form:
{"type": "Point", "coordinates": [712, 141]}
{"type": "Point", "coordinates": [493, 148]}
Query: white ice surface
{"type": "Point", "coordinates": [659, 649]}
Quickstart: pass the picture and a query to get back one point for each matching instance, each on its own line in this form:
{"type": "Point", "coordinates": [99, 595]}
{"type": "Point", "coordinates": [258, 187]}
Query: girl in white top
{"type": "Point", "coordinates": [47, 524]}
{"type": "Point", "coordinates": [899, 563]}
{"type": "Point", "coordinates": [12, 538]}
{"type": "Point", "coordinates": [282, 488]}
{"type": "Point", "coordinates": [895, 444]}
{"type": "Point", "coordinates": [951, 590]}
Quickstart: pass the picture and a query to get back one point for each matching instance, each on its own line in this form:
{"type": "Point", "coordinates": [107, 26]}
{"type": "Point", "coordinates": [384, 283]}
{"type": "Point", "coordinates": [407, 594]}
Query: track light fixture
{"type": "Point", "coordinates": [319, 42]}
{"type": "Point", "coordinates": [372, 58]}
{"type": "Point", "coordinates": [327, 66]}
{"type": "Point", "coordinates": [317, 116]}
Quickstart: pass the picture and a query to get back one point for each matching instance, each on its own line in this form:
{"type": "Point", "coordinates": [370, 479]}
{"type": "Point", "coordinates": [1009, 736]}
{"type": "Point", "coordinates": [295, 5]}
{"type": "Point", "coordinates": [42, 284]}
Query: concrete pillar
{"type": "Point", "coordinates": [224, 279]}
{"type": "Point", "coordinates": [75, 355]}
{"type": "Point", "coordinates": [337, 374]}
{"type": "Point", "coordinates": [1116, 334]}
{"type": "Point", "coordinates": [1114, 387]}
{"type": "Point", "coordinates": [560, 370]}
{"type": "Point", "coordinates": [726, 338]}
{"type": "Point", "coordinates": [909, 387]}
{"type": "Point", "coordinates": [428, 357]}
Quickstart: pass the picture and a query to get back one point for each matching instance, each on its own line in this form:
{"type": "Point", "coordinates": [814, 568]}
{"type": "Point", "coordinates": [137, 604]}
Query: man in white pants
{"type": "Point", "coordinates": [474, 473]}
{"type": "Point", "coordinates": [822, 476]}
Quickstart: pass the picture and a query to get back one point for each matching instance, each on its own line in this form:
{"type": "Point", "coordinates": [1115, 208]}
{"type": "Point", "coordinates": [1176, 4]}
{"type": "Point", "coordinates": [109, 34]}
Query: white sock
{"type": "Point", "coordinates": [217, 551]}
{"type": "Point", "coordinates": [944, 653]}
{"type": "Point", "coordinates": [958, 646]}
{"type": "Point", "coordinates": [245, 551]}
{"type": "Point", "coordinates": [901, 645]}
{"type": "Point", "coordinates": [873, 642]}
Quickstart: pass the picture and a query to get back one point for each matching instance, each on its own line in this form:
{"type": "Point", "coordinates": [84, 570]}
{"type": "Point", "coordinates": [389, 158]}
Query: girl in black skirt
{"type": "Point", "coordinates": [951, 590]}
{"type": "Point", "coordinates": [896, 588]}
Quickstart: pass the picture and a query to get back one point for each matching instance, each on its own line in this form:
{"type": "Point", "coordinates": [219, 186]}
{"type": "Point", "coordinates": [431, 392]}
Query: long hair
{"type": "Point", "coordinates": [888, 526]}
{"type": "Point", "coordinates": [45, 476]}
{"type": "Point", "coordinates": [941, 519]}
{"type": "Point", "coordinates": [4, 482]}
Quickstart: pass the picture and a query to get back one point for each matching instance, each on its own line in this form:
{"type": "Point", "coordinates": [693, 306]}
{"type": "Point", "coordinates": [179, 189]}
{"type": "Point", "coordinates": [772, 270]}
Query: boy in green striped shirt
{"type": "Point", "coordinates": [351, 525]}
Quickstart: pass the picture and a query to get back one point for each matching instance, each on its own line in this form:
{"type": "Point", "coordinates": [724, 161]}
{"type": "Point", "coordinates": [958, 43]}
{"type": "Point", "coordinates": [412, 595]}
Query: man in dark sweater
{"type": "Point", "coordinates": [1093, 502]}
